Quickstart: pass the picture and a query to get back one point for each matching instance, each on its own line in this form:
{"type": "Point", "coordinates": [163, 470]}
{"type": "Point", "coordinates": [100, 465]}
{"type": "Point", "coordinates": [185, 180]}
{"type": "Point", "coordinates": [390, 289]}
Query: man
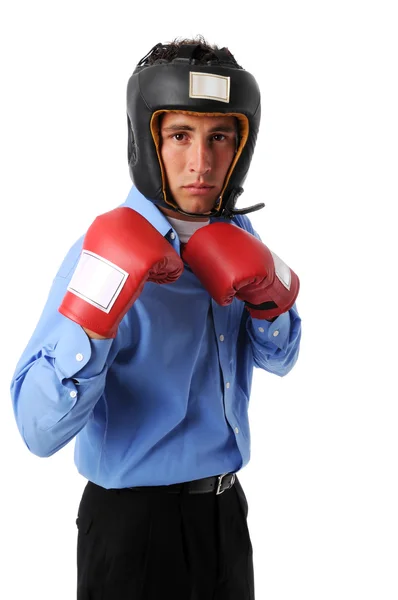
{"type": "Point", "coordinates": [146, 346]}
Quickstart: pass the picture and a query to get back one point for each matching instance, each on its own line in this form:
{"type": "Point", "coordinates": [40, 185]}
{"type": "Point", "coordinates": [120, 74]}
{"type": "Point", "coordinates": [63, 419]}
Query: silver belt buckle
{"type": "Point", "coordinates": [220, 478]}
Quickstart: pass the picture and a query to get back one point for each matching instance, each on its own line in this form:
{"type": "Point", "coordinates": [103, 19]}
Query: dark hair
{"type": "Point", "coordinates": [203, 52]}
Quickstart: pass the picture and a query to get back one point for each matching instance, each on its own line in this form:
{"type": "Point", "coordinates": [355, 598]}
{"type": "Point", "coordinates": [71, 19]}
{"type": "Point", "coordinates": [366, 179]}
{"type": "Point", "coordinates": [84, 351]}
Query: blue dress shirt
{"type": "Point", "coordinates": [166, 400]}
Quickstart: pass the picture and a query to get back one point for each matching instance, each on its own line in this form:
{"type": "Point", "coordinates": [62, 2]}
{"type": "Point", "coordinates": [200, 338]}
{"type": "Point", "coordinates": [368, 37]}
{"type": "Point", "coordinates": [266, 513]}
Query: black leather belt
{"type": "Point", "coordinates": [217, 484]}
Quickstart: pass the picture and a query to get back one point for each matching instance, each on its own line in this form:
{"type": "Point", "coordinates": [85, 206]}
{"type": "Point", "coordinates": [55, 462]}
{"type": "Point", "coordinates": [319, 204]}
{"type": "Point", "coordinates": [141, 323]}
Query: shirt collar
{"type": "Point", "coordinates": [148, 210]}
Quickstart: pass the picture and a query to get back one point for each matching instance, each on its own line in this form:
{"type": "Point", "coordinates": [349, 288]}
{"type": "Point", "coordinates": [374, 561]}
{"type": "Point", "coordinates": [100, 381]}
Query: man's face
{"type": "Point", "coordinates": [197, 152]}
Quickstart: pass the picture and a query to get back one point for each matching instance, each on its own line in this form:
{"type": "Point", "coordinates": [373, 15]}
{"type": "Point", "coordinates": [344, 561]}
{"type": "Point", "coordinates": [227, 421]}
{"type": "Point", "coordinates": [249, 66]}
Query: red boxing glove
{"type": "Point", "coordinates": [231, 262]}
{"type": "Point", "coordinates": [121, 251]}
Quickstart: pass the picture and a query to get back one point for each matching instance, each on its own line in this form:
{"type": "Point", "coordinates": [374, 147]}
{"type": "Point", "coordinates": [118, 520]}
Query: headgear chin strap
{"type": "Point", "coordinates": [218, 87]}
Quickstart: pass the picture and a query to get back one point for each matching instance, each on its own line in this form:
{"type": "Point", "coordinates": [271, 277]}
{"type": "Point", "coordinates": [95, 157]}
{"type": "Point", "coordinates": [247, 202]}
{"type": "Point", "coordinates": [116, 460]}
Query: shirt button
{"type": "Point", "coordinates": [236, 430]}
{"type": "Point", "coordinates": [261, 329]}
{"type": "Point", "coordinates": [172, 235]}
{"type": "Point", "coordinates": [276, 332]}
{"type": "Point", "coordinates": [227, 385]}
{"type": "Point", "coordinates": [221, 338]}
{"type": "Point", "coordinates": [79, 357]}
{"type": "Point", "coordinates": [73, 394]}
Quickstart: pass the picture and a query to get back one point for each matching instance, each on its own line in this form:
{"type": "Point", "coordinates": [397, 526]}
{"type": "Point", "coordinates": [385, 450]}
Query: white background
{"type": "Point", "coordinates": [322, 481]}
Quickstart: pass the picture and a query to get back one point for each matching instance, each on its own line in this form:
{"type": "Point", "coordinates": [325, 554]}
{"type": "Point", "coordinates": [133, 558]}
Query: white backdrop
{"type": "Point", "coordinates": [322, 481]}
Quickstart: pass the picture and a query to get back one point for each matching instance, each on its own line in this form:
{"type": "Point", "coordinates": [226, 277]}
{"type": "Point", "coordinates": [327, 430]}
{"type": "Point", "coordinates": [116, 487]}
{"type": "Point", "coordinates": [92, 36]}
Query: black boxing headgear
{"type": "Point", "coordinates": [217, 87]}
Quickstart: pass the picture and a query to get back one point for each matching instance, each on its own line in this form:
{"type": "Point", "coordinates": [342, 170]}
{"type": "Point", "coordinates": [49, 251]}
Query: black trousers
{"type": "Point", "coordinates": [135, 545]}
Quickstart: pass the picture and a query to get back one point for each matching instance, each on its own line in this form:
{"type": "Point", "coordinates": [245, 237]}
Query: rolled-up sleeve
{"type": "Point", "coordinates": [58, 379]}
{"type": "Point", "coordinates": [78, 356]}
{"type": "Point", "coordinates": [276, 345]}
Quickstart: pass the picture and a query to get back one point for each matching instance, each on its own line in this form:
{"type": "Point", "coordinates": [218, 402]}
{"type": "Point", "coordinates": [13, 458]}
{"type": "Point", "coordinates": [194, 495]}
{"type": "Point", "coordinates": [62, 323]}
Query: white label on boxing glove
{"type": "Point", "coordinates": [97, 280]}
{"type": "Point", "coordinates": [282, 271]}
{"type": "Point", "coordinates": [208, 85]}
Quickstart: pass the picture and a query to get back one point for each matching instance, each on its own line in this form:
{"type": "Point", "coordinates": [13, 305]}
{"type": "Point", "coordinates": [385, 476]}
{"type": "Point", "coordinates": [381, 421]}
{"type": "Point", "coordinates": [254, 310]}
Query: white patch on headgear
{"type": "Point", "coordinates": [208, 85]}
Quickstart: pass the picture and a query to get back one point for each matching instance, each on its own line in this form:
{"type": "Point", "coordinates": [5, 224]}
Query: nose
{"type": "Point", "coordinates": [199, 158]}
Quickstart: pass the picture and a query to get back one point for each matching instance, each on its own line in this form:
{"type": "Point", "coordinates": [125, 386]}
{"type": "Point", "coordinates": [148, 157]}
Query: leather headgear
{"type": "Point", "coordinates": [218, 87]}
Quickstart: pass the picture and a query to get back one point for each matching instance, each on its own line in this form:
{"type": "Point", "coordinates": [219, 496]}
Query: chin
{"type": "Point", "coordinates": [197, 206]}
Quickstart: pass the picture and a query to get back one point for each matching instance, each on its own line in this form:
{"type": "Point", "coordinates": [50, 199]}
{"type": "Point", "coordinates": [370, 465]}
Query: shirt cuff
{"type": "Point", "coordinates": [76, 353]}
{"type": "Point", "coordinates": [276, 332]}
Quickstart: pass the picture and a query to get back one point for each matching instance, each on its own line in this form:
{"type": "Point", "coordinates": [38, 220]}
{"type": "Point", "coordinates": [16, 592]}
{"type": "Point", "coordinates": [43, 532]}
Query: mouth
{"type": "Point", "coordinates": [199, 189]}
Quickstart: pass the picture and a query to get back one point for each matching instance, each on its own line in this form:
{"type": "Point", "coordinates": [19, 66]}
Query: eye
{"type": "Point", "coordinates": [179, 137]}
{"type": "Point", "coordinates": [218, 137]}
